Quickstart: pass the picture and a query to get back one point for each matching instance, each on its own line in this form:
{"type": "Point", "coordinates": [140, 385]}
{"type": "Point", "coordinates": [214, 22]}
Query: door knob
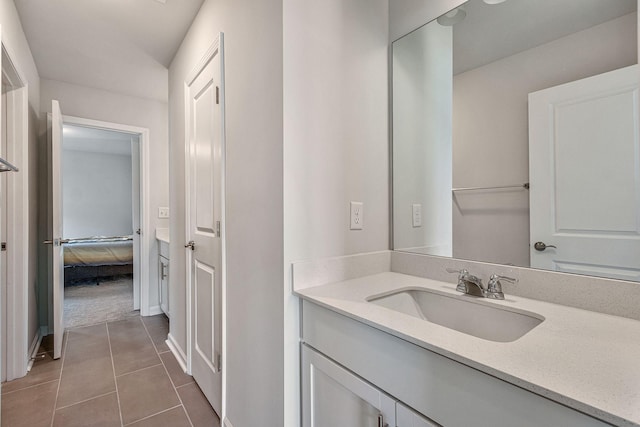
{"type": "Point", "coordinates": [541, 246]}
{"type": "Point", "coordinates": [191, 245]}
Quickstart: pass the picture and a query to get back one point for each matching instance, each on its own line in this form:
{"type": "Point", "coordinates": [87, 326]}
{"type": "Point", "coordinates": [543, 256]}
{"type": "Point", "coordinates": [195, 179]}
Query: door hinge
{"type": "Point", "coordinates": [217, 95]}
{"type": "Point", "coordinates": [217, 228]}
{"type": "Point", "coordinates": [219, 361]}
{"type": "Point", "coordinates": [3, 246]}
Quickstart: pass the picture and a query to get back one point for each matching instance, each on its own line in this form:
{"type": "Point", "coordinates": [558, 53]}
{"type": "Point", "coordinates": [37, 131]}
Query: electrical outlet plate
{"type": "Point", "coordinates": [357, 216]}
{"type": "Point", "coordinates": [163, 212]}
{"type": "Point", "coordinates": [416, 215]}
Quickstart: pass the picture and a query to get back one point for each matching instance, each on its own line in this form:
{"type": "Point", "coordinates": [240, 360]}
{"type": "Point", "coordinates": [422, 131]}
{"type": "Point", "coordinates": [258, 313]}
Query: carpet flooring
{"type": "Point", "coordinates": [90, 304]}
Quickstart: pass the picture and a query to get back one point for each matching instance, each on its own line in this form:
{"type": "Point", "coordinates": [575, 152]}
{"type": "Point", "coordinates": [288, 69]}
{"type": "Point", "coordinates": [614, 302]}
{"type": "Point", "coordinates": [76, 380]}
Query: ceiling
{"type": "Point", "coordinates": [123, 46]}
{"type": "Point", "coordinates": [80, 138]}
{"type": "Point", "coordinates": [492, 32]}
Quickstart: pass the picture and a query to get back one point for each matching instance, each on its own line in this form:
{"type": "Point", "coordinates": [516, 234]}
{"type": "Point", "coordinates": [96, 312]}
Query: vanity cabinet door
{"type": "Point", "coordinates": [333, 396]}
{"type": "Point", "coordinates": [406, 417]}
{"type": "Point", "coordinates": [164, 284]}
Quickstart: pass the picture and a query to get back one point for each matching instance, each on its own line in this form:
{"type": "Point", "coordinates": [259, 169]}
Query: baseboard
{"type": "Point", "coordinates": [155, 310]}
{"type": "Point", "coordinates": [177, 352]}
{"type": "Point", "coordinates": [33, 350]}
{"type": "Point", "coordinates": [227, 423]}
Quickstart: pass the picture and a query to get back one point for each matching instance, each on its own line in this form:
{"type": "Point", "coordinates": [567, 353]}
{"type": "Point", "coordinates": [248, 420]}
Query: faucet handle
{"type": "Point", "coordinates": [462, 275]}
{"type": "Point", "coordinates": [494, 287]}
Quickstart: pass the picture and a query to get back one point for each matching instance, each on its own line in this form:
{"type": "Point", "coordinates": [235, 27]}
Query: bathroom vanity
{"type": "Point", "coordinates": [369, 356]}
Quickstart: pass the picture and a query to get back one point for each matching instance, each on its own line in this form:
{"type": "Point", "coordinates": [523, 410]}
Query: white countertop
{"type": "Point", "coordinates": [585, 360]}
{"type": "Point", "coordinates": [162, 234]}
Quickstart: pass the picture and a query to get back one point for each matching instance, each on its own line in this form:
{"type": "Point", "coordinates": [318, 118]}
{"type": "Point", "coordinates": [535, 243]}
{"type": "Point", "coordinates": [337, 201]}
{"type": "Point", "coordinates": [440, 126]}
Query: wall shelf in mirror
{"type": "Point", "coordinates": [524, 186]}
{"type": "Point", "coordinates": [6, 166]}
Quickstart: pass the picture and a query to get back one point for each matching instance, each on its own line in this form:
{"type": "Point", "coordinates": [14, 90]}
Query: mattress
{"type": "Point", "coordinates": [99, 251]}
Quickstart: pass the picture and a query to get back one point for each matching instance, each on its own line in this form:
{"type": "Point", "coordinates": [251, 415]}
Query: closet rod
{"type": "Point", "coordinates": [525, 186]}
{"type": "Point", "coordinates": [6, 166]}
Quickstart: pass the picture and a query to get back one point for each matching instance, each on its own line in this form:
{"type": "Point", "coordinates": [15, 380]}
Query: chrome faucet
{"type": "Point", "coordinates": [468, 283]}
{"type": "Point", "coordinates": [472, 285]}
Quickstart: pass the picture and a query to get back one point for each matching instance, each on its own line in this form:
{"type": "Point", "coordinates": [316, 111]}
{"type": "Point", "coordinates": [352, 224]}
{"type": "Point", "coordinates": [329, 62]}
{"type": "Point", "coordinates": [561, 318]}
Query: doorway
{"type": "Point", "coordinates": [100, 206]}
{"type": "Point", "coordinates": [134, 141]}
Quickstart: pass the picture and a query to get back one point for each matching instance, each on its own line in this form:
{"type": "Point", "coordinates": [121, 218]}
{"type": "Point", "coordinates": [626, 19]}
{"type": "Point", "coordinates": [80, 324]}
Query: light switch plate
{"type": "Point", "coordinates": [163, 212]}
{"type": "Point", "coordinates": [357, 216]}
{"type": "Point", "coordinates": [416, 215]}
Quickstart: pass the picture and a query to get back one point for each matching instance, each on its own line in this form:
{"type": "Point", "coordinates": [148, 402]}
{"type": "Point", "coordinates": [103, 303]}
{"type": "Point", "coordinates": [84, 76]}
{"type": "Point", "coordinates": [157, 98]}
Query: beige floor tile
{"type": "Point", "coordinates": [31, 407]}
{"type": "Point", "coordinates": [197, 406]}
{"type": "Point", "coordinates": [102, 411]}
{"type": "Point", "coordinates": [172, 418]}
{"type": "Point", "coordinates": [158, 321]}
{"type": "Point", "coordinates": [44, 370]}
{"type": "Point", "coordinates": [131, 346]}
{"type": "Point", "coordinates": [145, 392]}
{"type": "Point", "coordinates": [159, 338]}
{"type": "Point", "coordinates": [175, 371]}
{"type": "Point", "coordinates": [86, 379]}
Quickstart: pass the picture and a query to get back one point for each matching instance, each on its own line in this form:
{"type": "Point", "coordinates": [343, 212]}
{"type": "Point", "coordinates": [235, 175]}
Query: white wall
{"type": "Point", "coordinates": [15, 42]}
{"type": "Point", "coordinates": [96, 194]}
{"type": "Point", "coordinates": [491, 133]}
{"type": "Point", "coordinates": [336, 142]}
{"type": "Point", "coordinates": [422, 139]}
{"type": "Point", "coordinates": [95, 104]}
{"type": "Point", "coordinates": [254, 230]}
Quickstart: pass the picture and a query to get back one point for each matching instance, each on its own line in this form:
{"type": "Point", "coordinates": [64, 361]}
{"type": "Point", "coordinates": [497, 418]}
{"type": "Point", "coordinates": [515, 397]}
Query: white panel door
{"type": "Point", "coordinates": [205, 226]}
{"type": "Point", "coordinates": [333, 396]}
{"type": "Point", "coordinates": [57, 260]}
{"type": "Point", "coordinates": [584, 157]}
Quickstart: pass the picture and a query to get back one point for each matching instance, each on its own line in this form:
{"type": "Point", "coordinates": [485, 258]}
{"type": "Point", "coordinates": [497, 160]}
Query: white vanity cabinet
{"type": "Point", "coordinates": [333, 396]}
{"type": "Point", "coordinates": [438, 388]}
{"type": "Point", "coordinates": [163, 277]}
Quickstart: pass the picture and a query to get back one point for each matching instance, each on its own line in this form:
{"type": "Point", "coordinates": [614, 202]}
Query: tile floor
{"type": "Point", "coordinates": [112, 374]}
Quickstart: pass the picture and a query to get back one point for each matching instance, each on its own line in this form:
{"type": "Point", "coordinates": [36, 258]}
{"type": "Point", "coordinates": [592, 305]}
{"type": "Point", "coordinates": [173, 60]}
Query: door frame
{"type": "Point", "coordinates": [146, 236]}
{"type": "Point", "coordinates": [19, 240]}
{"type": "Point", "coordinates": [216, 46]}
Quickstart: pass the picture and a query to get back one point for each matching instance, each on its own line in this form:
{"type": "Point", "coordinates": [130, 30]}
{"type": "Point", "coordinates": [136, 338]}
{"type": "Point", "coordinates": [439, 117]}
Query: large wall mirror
{"type": "Point", "coordinates": [516, 136]}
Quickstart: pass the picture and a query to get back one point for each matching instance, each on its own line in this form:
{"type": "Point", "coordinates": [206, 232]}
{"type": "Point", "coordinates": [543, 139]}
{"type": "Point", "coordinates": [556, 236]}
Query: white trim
{"type": "Point", "coordinates": [154, 310]}
{"type": "Point", "coordinates": [177, 352]}
{"type": "Point", "coordinates": [33, 350]}
{"type": "Point", "coordinates": [145, 220]}
{"type": "Point", "coordinates": [226, 422]}
{"type": "Point", "coordinates": [18, 237]}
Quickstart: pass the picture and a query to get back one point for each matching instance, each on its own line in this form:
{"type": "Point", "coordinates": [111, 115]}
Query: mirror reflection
{"type": "Point", "coordinates": [515, 136]}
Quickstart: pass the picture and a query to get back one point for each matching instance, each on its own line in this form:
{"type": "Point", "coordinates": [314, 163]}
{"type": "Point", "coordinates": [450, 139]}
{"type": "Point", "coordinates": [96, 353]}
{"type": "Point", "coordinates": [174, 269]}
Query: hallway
{"type": "Point", "coordinates": [111, 374]}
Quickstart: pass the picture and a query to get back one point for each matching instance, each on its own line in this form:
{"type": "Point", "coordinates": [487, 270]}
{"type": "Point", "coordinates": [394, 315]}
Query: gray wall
{"type": "Point", "coordinates": [254, 230]}
{"type": "Point", "coordinates": [490, 137]}
{"type": "Point", "coordinates": [335, 142]}
{"type": "Point", "coordinates": [96, 194]}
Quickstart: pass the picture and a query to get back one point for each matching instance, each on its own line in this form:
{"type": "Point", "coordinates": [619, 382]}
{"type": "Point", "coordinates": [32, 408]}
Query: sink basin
{"type": "Point", "coordinates": [463, 313]}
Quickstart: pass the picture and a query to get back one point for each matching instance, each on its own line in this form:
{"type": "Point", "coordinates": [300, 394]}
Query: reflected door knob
{"type": "Point", "coordinates": [541, 246]}
{"type": "Point", "coordinates": [191, 244]}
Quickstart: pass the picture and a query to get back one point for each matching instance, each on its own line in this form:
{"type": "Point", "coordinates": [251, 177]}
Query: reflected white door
{"type": "Point", "coordinates": [205, 224]}
{"type": "Point", "coordinates": [584, 158]}
{"type": "Point", "coordinates": [57, 258]}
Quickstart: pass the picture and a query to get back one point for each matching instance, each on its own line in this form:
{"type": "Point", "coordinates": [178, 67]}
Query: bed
{"type": "Point", "coordinates": [97, 258]}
